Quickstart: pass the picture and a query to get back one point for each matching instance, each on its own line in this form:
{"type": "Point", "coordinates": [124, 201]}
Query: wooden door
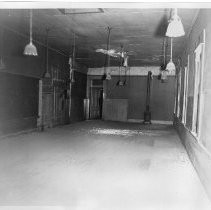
{"type": "Point", "coordinates": [96, 102]}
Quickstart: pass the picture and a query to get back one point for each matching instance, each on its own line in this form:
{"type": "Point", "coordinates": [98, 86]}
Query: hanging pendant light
{"type": "Point", "coordinates": [164, 72]}
{"type": "Point", "coordinates": [72, 61]}
{"type": "Point", "coordinates": [47, 74]}
{"type": "Point", "coordinates": [121, 66]}
{"type": "Point", "coordinates": [108, 70]}
{"type": "Point", "coordinates": [163, 65]}
{"type": "Point", "coordinates": [175, 26]}
{"type": "Point", "coordinates": [170, 66]}
{"type": "Point", "coordinates": [30, 48]}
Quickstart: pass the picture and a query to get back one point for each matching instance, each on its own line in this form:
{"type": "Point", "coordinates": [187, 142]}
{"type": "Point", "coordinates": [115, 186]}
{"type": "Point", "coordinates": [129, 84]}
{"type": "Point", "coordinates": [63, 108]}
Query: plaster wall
{"type": "Point", "coordinates": [199, 148]}
{"type": "Point", "coordinates": [162, 94]}
{"type": "Point", "coordinates": [20, 81]}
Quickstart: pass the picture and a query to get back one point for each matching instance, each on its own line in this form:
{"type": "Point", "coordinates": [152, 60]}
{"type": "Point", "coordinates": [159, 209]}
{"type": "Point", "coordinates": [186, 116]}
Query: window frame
{"type": "Point", "coordinates": [198, 90]}
{"type": "Point", "coordinates": [179, 80]}
{"type": "Point", "coordinates": [185, 93]}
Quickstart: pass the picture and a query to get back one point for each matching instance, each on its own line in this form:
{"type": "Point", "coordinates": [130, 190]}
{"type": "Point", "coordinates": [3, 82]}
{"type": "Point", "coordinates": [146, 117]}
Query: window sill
{"type": "Point", "coordinates": [191, 132]}
{"type": "Point", "coordinates": [194, 134]}
{"type": "Point", "coordinates": [196, 138]}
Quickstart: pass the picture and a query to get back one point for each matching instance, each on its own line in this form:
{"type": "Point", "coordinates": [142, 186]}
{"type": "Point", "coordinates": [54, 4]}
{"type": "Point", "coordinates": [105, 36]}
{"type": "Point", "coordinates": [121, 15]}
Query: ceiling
{"type": "Point", "coordinates": [138, 30]}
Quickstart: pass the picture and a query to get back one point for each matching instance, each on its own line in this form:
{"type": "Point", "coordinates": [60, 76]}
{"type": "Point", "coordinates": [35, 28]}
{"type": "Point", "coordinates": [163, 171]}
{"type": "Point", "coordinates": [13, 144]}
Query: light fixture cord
{"type": "Point", "coordinates": [108, 45]}
{"type": "Point", "coordinates": [175, 12]}
{"type": "Point", "coordinates": [171, 47]}
{"type": "Point", "coordinates": [164, 51]}
{"type": "Point", "coordinates": [73, 62]}
{"type": "Point", "coordinates": [47, 32]}
{"type": "Point", "coordinates": [30, 26]}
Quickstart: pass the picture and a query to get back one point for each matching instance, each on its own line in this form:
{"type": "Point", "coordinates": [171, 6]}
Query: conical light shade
{"type": "Point", "coordinates": [30, 49]}
{"type": "Point", "coordinates": [72, 80]}
{"type": "Point", "coordinates": [47, 75]}
{"type": "Point", "coordinates": [175, 27]}
{"type": "Point", "coordinates": [170, 66]}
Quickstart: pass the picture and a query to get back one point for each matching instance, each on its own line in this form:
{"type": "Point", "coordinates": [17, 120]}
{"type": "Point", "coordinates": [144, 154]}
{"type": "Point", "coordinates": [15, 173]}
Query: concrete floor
{"type": "Point", "coordinates": [98, 165]}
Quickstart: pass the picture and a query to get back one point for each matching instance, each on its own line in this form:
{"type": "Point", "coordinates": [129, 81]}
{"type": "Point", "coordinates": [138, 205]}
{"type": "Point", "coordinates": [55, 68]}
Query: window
{"type": "Point", "coordinates": [197, 101]}
{"type": "Point", "coordinates": [185, 93]}
{"type": "Point", "coordinates": [178, 91]}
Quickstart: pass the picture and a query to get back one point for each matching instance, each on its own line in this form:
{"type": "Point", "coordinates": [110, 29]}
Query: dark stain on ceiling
{"type": "Point", "coordinates": [140, 31]}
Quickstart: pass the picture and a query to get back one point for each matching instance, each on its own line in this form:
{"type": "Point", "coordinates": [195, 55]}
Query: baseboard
{"type": "Point", "coordinates": [135, 120]}
{"type": "Point", "coordinates": [199, 156]}
{"type": "Point", "coordinates": [17, 125]}
{"type": "Point", "coordinates": [19, 133]}
{"type": "Point", "coordinates": [163, 122]}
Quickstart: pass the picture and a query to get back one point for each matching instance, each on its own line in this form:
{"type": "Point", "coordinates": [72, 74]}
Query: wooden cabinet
{"type": "Point", "coordinates": [115, 109]}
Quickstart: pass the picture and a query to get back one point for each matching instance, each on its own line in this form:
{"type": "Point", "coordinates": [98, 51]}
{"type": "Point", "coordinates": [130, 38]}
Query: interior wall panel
{"type": "Point", "coordinates": [19, 81]}
{"type": "Point", "coordinates": [198, 147]}
{"type": "Point", "coordinates": [162, 96]}
{"type": "Point", "coordinates": [18, 102]}
{"type": "Point", "coordinates": [78, 94]}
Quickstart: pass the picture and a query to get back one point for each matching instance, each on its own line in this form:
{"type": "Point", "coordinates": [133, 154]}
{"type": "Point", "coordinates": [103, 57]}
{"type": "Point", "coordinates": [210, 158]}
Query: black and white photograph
{"type": "Point", "coordinates": [105, 105]}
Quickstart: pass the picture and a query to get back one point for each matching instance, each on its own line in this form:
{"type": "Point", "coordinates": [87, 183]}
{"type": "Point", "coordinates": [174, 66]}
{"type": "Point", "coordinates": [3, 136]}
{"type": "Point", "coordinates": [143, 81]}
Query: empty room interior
{"type": "Point", "coordinates": [105, 107]}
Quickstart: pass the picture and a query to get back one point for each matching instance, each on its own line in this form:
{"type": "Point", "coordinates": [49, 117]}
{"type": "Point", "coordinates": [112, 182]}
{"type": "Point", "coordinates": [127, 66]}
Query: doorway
{"type": "Point", "coordinates": [96, 99]}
